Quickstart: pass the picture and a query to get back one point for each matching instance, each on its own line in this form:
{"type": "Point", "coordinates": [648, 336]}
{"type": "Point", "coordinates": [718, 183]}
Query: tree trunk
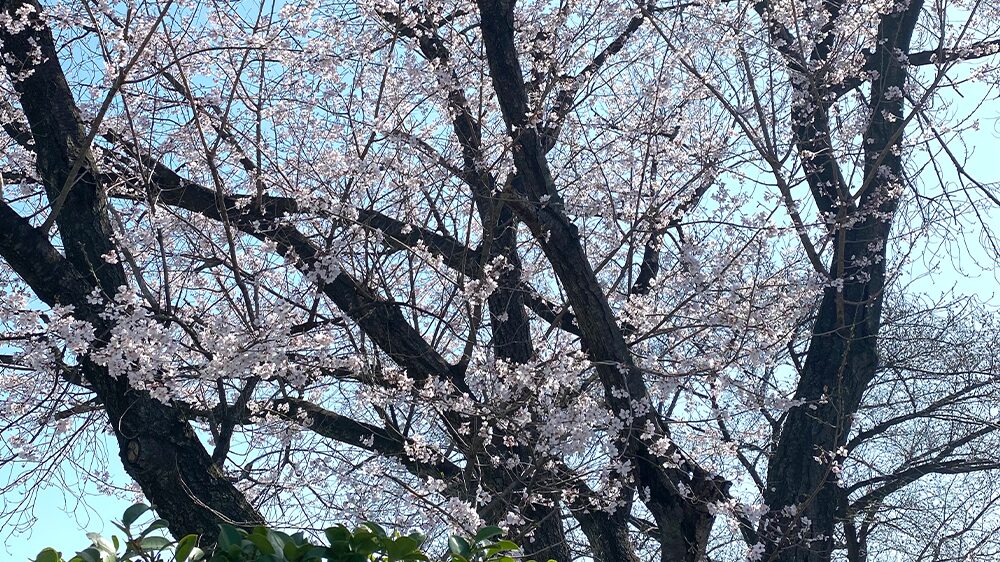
{"type": "Point", "coordinates": [157, 446]}
{"type": "Point", "coordinates": [802, 490]}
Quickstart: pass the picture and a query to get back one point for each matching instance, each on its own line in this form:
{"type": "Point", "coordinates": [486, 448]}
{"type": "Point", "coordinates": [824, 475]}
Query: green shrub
{"type": "Point", "coordinates": [367, 543]}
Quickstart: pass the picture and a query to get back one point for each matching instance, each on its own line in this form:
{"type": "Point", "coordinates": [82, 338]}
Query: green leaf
{"type": "Point", "coordinates": [133, 513]}
{"type": "Point", "coordinates": [279, 540]}
{"type": "Point", "coordinates": [365, 543]}
{"type": "Point", "coordinates": [184, 547]}
{"type": "Point", "coordinates": [89, 555]}
{"type": "Point", "coordinates": [229, 536]}
{"type": "Point", "coordinates": [402, 548]}
{"type": "Point", "coordinates": [293, 552]}
{"type": "Point", "coordinates": [379, 531]}
{"type": "Point", "coordinates": [459, 547]}
{"type": "Point", "coordinates": [487, 533]}
{"type": "Point", "coordinates": [156, 525]}
{"type": "Point", "coordinates": [263, 547]}
{"type": "Point", "coordinates": [315, 553]}
{"type": "Point", "coordinates": [507, 545]}
{"type": "Point", "coordinates": [260, 540]}
{"type": "Point", "coordinates": [419, 537]}
{"type": "Point", "coordinates": [337, 534]}
{"type": "Point", "coordinates": [48, 555]}
{"type": "Point", "coordinates": [155, 543]}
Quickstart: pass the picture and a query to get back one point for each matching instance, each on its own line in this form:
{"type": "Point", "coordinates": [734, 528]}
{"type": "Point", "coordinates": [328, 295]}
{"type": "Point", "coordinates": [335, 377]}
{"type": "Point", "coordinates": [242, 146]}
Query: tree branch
{"type": "Point", "coordinates": [383, 441]}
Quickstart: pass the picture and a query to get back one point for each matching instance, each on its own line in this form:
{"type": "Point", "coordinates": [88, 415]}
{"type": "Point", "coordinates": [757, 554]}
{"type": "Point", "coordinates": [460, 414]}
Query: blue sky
{"type": "Point", "coordinates": [62, 522]}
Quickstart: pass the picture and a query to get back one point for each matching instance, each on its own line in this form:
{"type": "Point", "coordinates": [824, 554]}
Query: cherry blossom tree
{"type": "Point", "coordinates": [626, 279]}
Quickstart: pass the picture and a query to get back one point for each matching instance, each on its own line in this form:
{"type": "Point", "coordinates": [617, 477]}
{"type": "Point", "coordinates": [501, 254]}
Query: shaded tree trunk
{"type": "Point", "coordinates": [158, 448]}
{"type": "Point", "coordinates": [802, 490]}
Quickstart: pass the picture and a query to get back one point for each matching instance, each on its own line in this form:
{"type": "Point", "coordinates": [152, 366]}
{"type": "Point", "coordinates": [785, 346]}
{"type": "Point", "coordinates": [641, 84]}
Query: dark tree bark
{"type": "Point", "coordinates": [684, 521]}
{"type": "Point", "coordinates": [842, 358]}
{"type": "Point", "coordinates": [608, 536]}
{"type": "Point", "coordinates": [157, 446]}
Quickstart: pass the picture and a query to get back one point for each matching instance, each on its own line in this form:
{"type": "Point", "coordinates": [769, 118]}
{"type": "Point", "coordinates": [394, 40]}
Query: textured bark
{"type": "Point", "coordinates": [608, 536]}
{"type": "Point", "coordinates": [509, 321]}
{"type": "Point", "coordinates": [548, 540]}
{"type": "Point", "coordinates": [683, 526]}
{"type": "Point", "coordinates": [684, 522]}
{"type": "Point", "coordinates": [385, 325]}
{"type": "Point", "coordinates": [157, 446]}
{"type": "Point", "coordinates": [542, 213]}
{"type": "Point", "coordinates": [842, 357]}
{"type": "Point", "coordinates": [160, 450]}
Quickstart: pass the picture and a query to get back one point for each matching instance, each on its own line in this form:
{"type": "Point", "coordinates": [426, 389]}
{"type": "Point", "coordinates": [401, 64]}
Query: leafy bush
{"type": "Point", "coordinates": [369, 542]}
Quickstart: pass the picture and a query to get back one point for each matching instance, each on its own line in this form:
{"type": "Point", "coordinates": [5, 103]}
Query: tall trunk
{"type": "Point", "coordinates": [608, 536]}
{"type": "Point", "coordinates": [842, 359]}
{"type": "Point", "coordinates": [537, 202]}
{"type": "Point", "coordinates": [548, 540]}
{"type": "Point", "coordinates": [157, 446]}
{"type": "Point", "coordinates": [840, 363]}
{"type": "Point", "coordinates": [683, 525]}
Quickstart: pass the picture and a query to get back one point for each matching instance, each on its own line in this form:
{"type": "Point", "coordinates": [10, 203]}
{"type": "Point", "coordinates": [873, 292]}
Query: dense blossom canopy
{"type": "Point", "coordinates": [631, 280]}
